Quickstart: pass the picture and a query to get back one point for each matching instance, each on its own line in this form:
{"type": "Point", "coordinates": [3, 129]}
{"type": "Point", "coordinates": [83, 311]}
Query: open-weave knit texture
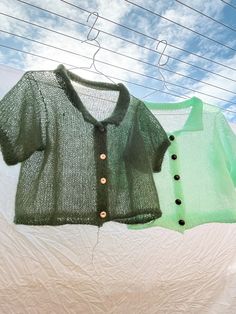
{"type": "Point", "coordinates": [198, 178]}
{"type": "Point", "coordinates": [87, 149]}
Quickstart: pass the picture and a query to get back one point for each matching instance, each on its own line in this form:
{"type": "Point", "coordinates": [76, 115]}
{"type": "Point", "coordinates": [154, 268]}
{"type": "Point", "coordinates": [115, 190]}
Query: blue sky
{"type": "Point", "coordinates": [133, 17]}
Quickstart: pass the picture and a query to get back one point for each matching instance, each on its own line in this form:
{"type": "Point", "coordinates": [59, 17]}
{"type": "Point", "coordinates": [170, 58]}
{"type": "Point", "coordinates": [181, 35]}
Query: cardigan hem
{"type": "Point", "coordinates": [33, 220]}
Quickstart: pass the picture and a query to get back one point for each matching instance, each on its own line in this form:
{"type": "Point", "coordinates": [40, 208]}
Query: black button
{"type": "Point", "coordinates": [174, 156]}
{"type": "Point", "coordinates": [181, 222]}
{"type": "Point", "coordinates": [171, 137]}
{"type": "Point", "coordinates": [176, 177]}
{"type": "Point", "coordinates": [102, 129]}
{"type": "Point", "coordinates": [178, 201]}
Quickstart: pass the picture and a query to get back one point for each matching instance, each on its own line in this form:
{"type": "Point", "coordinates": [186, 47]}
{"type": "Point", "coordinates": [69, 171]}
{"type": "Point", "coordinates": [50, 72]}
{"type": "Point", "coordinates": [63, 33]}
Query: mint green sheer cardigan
{"type": "Point", "coordinates": [197, 182]}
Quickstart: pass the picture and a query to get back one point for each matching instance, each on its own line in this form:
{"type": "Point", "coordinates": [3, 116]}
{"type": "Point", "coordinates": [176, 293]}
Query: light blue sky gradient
{"type": "Point", "coordinates": [125, 13]}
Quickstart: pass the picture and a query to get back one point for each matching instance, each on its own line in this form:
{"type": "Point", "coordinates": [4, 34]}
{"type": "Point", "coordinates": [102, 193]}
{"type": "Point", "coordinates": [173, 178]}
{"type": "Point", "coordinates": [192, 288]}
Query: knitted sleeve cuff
{"type": "Point", "coordinates": [20, 123]}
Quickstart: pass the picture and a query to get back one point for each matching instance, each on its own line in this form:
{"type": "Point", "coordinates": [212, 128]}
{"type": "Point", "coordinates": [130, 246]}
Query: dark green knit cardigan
{"type": "Point", "coordinates": [87, 156]}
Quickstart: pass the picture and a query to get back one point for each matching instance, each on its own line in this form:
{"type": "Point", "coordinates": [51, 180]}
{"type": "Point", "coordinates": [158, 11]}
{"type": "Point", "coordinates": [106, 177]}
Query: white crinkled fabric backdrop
{"type": "Point", "coordinates": [49, 269]}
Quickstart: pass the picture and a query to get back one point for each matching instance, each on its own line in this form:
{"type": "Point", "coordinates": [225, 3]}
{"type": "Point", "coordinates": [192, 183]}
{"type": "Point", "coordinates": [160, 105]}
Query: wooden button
{"type": "Point", "coordinates": [103, 180]}
{"type": "Point", "coordinates": [103, 214]}
{"type": "Point", "coordinates": [103, 156]}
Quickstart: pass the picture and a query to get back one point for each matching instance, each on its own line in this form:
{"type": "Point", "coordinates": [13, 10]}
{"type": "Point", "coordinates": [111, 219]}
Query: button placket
{"type": "Point", "coordinates": [178, 203]}
{"type": "Point", "coordinates": [100, 144]}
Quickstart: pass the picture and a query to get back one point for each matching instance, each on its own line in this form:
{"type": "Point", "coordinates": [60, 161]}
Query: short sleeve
{"type": "Point", "coordinates": [155, 138]}
{"type": "Point", "coordinates": [227, 139]}
{"type": "Point", "coordinates": [21, 127]}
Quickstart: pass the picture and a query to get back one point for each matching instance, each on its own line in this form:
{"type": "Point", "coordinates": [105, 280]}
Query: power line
{"type": "Point", "coordinates": [131, 42]}
{"type": "Point", "coordinates": [68, 64]}
{"type": "Point", "coordinates": [137, 84]}
{"type": "Point", "coordinates": [150, 77]}
{"type": "Point", "coordinates": [150, 37]}
{"type": "Point", "coordinates": [121, 54]}
{"type": "Point", "coordinates": [209, 17]}
{"type": "Point", "coordinates": [232, 6]}
{"type": "Point", "coordinates": [178, 24]}
{"type": "Point", "coordinates": [107, 63]}
{"type": "Point", "coordinates": [122, 68]}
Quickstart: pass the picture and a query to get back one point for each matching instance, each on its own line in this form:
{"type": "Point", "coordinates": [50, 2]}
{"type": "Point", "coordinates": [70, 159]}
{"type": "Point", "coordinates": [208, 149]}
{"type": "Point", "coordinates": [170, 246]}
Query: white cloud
{"type": "Point", "coordinates": [142, 21]}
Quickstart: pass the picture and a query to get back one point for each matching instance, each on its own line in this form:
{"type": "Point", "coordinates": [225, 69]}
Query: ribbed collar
{"type": "Point", "coordinates": [64, 78]}
{"type": "Point", "coordinates": [194, 121]}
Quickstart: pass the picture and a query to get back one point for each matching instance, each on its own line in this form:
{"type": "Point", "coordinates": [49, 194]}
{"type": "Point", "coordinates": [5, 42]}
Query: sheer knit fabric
{"type": "Point", "coordinates": [198, 178]}
{"type": "Point", "coordinates": [87, 149]}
